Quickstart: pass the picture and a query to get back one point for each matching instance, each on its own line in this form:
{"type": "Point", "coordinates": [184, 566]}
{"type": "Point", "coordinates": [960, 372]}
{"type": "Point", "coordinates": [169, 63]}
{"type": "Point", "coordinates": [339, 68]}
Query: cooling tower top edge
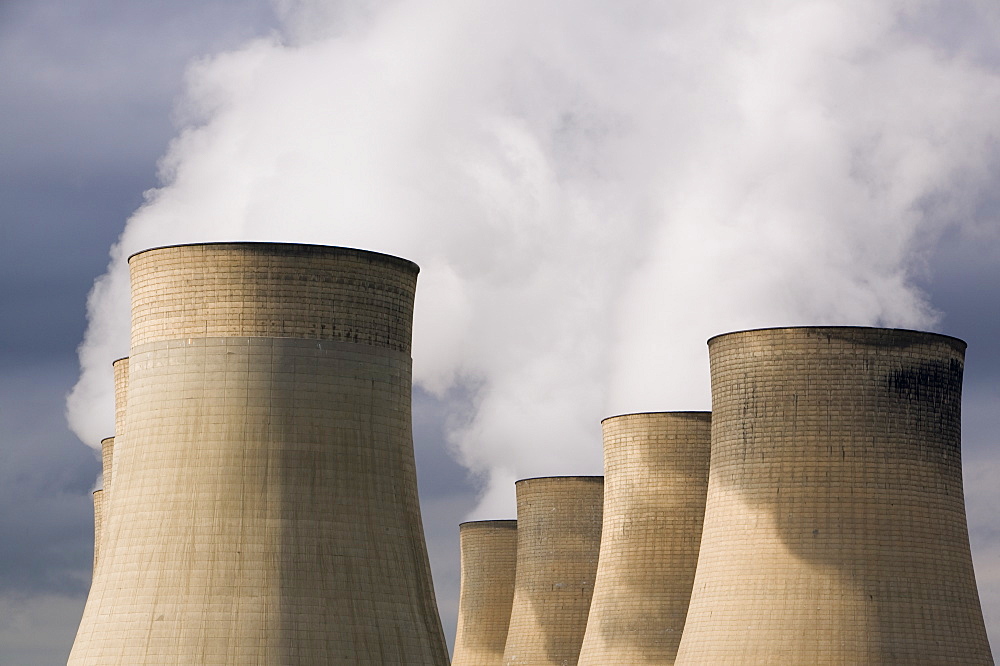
{"type": "Point", "coordinates": [312, 246]}
{"type": "Point", "coordinates": [819, 329]}
{"type": "Point", "coordinates": [508, 523]}
{"type": "Point", "coordinates": [594, 478]}
{"type": "Point", "coordinates": [682, 412]}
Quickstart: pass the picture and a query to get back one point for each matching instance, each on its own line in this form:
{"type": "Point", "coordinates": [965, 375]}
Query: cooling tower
{"type": "Point", "coordinates": [835, 528]}
{"type": "Point", "coordinates": [107, 456]}
{"type": "Point", "coordinates": [558, 541]}
{"type": "Point", "coordinates": [98, 519]}
{"type": "Point", "coordinates": [120, 368]}
{"type": "Point", "coordinates": [265, 505]}
{"type": "Point", "coordinates": [655, 480]}
{"type": "Point", "coordinates": [489, 556]}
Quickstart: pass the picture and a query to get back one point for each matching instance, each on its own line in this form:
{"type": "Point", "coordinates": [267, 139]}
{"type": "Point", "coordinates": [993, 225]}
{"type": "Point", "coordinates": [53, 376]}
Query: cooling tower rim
{"type": "Point", "coordinates": [99, 490]}
{"type": "Point", "coordinates": [334, 249]}
{"type": "Point", "coordinates": [593, 477]}
{"type": "Point", "coordinates": [107, 438]}
{"type": "Point", "coordinates": [678, 412]}
{"type": "Point", "coordinates": [506, 523]}
{"type": "Point", "coordinates": [961, 343]}
{"type": "Point", "coordinates": [119, 360]}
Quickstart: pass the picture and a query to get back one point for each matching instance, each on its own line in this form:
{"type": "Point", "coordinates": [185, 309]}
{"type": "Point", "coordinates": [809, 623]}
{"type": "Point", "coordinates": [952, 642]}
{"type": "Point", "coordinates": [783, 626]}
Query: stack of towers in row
{"type": "Point", "coordinates": [260, 505]}
{"type": "Point", "coordinates": [815, 516]}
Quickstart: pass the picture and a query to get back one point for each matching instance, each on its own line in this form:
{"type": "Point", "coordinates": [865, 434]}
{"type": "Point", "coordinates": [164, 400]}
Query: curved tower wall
{"type": "Point", "coordinates": [489, 557]}
{"type": "Point", "coordinates": [265, 503]}
{"type": "Point", "coordinates": [558, 541]}
{"type": "Point", "coordinates": [655, 480]}
{"type": "Point", "coordinates": [835, 528]}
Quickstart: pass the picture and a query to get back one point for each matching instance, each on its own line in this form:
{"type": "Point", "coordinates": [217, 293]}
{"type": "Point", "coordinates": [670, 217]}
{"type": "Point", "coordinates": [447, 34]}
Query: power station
{"type": "Point", "coordinates": [260, 500]}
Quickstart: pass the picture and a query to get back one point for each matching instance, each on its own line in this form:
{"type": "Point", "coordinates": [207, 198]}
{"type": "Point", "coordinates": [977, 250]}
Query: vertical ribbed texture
{"type": "Point", "coordinates": [655, 480]}
{"type": "Point", "coordinates": [120, 368]}
{"type": "Point", "coordinates": [107, 457]}
{"type": "Point", "coordinates": [835, 528]}
{"type": "Point", "coordinates": [489, 558]}
{"type": "Point", "coordinates": [98, 521]}
{"type": "Point", "coordinates": [558, 541]}
{"type": "Point", "coordinates": [265, 505]}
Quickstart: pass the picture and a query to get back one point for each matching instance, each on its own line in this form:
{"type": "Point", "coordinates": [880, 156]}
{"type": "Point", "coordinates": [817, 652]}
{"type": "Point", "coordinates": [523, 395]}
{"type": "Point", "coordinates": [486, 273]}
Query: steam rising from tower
{"type": "Point", "coordinates": [578, 154]}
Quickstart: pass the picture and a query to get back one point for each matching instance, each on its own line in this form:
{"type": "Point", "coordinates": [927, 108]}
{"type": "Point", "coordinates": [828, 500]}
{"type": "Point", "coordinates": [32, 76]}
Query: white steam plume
{"type": "Point", "coordinates": [591, 189]}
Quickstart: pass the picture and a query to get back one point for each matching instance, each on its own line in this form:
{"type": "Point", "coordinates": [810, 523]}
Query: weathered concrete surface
{"type": "Point", "coordinates": [265, 503]}
{"type": "Point", "coordinates": [655, 481]}
{"type": "Point", "coordinates": [558, 542]}
{"type": "Point", "coordinates": [835, 528]}
{"type": "Point", "coordinates": [489, 561]}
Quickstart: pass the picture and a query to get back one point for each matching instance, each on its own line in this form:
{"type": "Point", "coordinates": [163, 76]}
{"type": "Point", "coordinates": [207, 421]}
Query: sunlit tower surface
{"type": "Point", "coordinates": [488, 562]}
{"type": "Point", "coordinates": [835, 528]}
{"type": "Point", "coordinates": [655, 480]}
{"type": "Point", "coordinates": [264, 505]}
{"type": "Point", "coordinates": [558, 541]}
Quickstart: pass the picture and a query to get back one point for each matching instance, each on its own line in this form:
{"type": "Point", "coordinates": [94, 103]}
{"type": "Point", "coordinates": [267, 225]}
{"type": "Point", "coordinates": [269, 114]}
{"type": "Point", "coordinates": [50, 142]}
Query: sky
{"type": "Point", "coordinates": [591, 190]}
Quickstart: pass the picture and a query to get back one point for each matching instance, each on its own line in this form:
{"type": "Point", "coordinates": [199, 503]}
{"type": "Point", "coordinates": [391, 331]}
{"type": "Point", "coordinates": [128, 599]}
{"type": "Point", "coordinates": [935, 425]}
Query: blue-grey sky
{"type": "Point", "coordinates": [570, 178]}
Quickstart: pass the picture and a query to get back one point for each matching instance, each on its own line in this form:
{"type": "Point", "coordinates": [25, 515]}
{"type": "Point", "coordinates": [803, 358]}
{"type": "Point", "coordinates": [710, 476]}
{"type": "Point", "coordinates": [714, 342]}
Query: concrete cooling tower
{"type": "Point", "coordinates": [107, 456]}
{"type": "Point", "coordinates": [489, 557]}
{"type": "Point", "coordinates": [120, 369]}
{"type": "Point", "coordinates": [98, 520]}
{"type": "Point", "coordinates": [655, 480]}
{"type": "Point", "coordinates": [558, 542]}
{"type": "Point", "coordinates": [264, 503]}
{"type": "Point", "coordinates": [835, 528]}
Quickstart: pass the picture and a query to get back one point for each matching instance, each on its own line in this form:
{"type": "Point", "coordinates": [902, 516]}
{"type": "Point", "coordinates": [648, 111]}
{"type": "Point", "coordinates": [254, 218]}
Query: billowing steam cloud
{"type": "Point", "coordinates": [592, 189]}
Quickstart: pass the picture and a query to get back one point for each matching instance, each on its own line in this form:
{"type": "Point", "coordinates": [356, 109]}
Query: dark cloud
{"type": "Point", "coordinates": [447, 493]}
{"type": "Point", "coordinates": [86, 90]}
{"type": "Point", "coordinates": [46, 476]}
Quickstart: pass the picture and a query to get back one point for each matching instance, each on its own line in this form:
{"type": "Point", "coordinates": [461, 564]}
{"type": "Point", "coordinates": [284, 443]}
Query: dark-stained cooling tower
{"type": "Point", "coordinates": [265, 504]}
{"type": "Point", "coordinates": [655, 480]}
{"type": "Point", "coordinates": [489, 557]}
{"type": "Point", "coordinates": [835, 528]}
{"type": "Point", "coordinates": [558, 541]}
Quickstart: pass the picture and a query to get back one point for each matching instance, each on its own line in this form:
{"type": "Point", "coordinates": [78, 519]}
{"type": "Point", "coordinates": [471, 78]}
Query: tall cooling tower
{"type": "Point", "coordinates": [489, 557]}
{"type": "Point", "coordinates": [98, 520]}
{"type": "Point", "coordinates": [835, 528]}
{"type": "Point", "coordinates": [120, 368]}
{"type": "Point", "coordinates": [107, 456]}
{"type": "Point", "coordinates": [558, 541]}
{"type": "Point", "coordinates": [265, 504]}
{"type": "Point", "coordinates": [103, 496]}
{"type": "Point", "coordinates": [655, 480]}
